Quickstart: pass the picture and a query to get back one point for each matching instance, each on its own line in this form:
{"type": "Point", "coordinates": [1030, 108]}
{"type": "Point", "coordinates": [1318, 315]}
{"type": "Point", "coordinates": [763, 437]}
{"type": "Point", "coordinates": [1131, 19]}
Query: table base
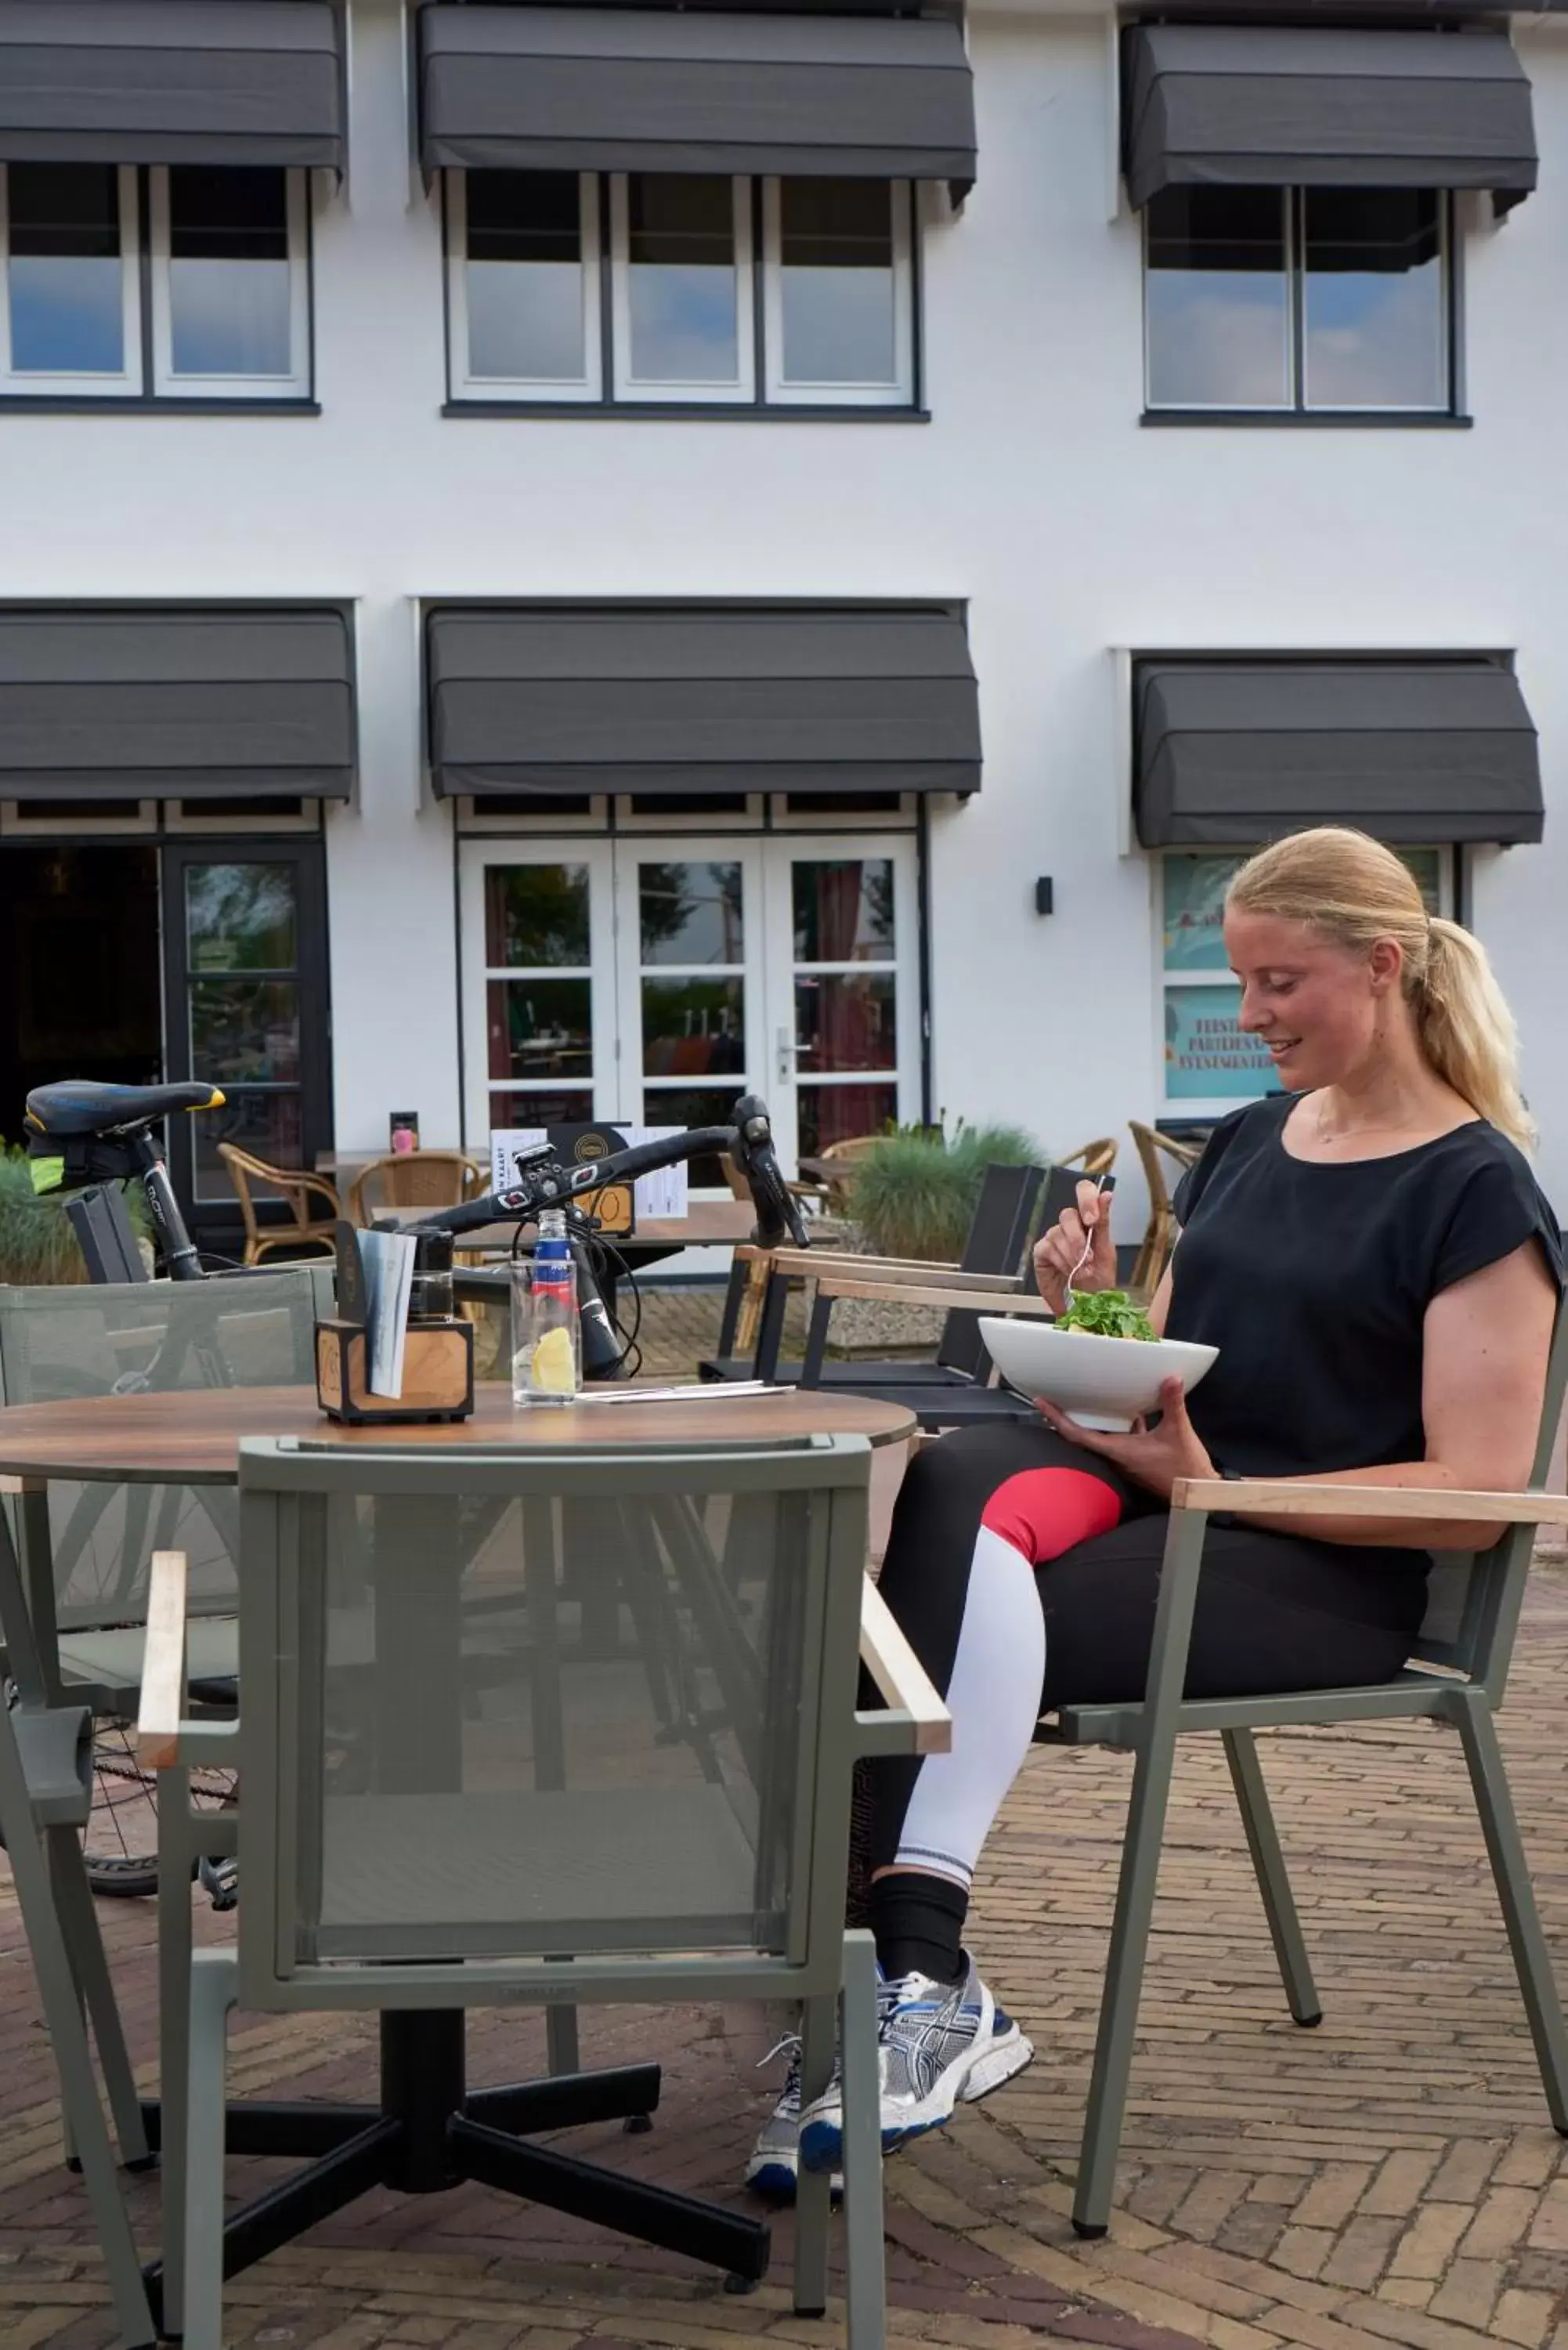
{"type": "Point", "coordinates": [430, 2132]}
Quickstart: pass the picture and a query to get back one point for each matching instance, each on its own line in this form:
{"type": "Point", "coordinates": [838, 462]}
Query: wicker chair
{"type": "Point", "coordinates": [295, 1189]}
{"type": "Point", "coordinates": [1160, 1236]}
{"type": "Point", "coordinates": [414, 1179]}
{"type": "Point", "coordinates": [1093, 1158]}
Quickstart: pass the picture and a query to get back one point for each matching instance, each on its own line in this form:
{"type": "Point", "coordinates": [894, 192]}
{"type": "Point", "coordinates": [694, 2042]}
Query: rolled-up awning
{"type": "Point", "coordinates": [171, 81]}
{"type": "Point", "coordinates": [1226, 753]}
{"type": "Point", "coordinates": [608, 90]}
{"type": "Point", "coordinates": [156, 703]}
{"type": "Point", "coordinates": [1319, 106]}
{"type": "Point", "coordinates": [702, 699]}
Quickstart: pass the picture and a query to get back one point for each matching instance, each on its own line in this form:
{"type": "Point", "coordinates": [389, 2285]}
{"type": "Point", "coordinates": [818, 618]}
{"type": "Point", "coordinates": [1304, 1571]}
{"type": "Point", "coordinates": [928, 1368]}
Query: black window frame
{"type": "Point", "coordinates": [1298, 412]}
{"type": "Point", "coordinates": [607, 404]}
{"type": "Point", "coordinates": [149, 400]}
{"type": "Point", "coordinates": [216, 1224]}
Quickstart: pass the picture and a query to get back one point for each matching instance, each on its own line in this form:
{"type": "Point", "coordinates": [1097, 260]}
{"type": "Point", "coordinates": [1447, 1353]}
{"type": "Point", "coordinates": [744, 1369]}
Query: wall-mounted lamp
{"type": "Point", "coordinates": [1043, 895]}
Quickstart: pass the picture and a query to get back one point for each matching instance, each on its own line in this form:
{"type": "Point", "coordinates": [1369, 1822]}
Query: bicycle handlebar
{"type": "Point", "coordinates": [549, 1184]}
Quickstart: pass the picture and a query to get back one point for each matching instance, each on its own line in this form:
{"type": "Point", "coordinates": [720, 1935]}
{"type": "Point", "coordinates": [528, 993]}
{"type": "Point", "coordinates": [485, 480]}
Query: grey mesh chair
{"type": "Point", "coordinates": [1462, 1653]}
{"type": "Point", "coordinates": [45, 1794]}
{"type": "Point", "coordinates": [434, 1817]}
{"type": "Point", "coordinates": [59, 1343]}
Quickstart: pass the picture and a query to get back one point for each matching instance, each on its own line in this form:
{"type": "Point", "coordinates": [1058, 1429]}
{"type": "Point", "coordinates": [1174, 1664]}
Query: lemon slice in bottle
{"type": "Point", "coordinates": [554, 1369]}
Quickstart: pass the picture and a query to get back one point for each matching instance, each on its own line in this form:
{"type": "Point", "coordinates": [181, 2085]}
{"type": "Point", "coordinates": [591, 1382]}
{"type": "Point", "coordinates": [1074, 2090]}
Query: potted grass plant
{"type": "Point", "coordinates": [913, 1195]}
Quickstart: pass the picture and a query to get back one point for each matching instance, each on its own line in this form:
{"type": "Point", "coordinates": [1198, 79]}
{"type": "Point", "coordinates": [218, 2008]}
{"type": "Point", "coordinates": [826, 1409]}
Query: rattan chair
{"type": "Point", "coordinates": [1154, 1149]}
{"type": "Point", "coordinates": [295, 1189]}
{"type": "Point", "coordinates": [1092, 1158]}
{"type": "Point", "coordinates": [414, 1179]}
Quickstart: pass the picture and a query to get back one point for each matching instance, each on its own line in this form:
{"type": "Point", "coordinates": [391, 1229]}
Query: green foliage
{"type": "Point", "coordinates": [1106, 1314]}
{"type": "Point", "coordinates": [914, 1194]}
{"type": "Point", "coordinates": [36, 1242]}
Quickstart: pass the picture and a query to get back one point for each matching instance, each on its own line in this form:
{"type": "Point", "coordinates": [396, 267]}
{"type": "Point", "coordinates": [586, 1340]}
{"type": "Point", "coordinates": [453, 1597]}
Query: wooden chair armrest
{"type": "Point", "coordinates": [900, 1678]}
{"type": "Point", "coordinates": [806, 1265]}
{"type": "Point", "coordinates": [163, 1663]}
{"type": "Point", "coordinates": [1278, 1498]}
{"type": "Point", "coordinates": [923, 1292]}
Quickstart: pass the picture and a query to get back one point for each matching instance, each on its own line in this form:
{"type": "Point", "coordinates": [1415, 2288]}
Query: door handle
{"type": "Point", "coordinates": [787, 1050]}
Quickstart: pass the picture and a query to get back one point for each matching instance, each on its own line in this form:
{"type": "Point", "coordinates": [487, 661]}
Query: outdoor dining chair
{"type": "Point", "coordinates": [1458, 1675]}
{"type": "Point", "coordinates": [45, 1794]}
{"type": "Point", "coordinates": [414, 1179]}
{"type": "Point", "coordinates": [1156, 1152]}
{"type": "Point", "coordinates": [1005, 1218]}
{"type": "Point", "coordinates": [418, 1840]}
{"type": "Point", "coordinates": [297, 1189]}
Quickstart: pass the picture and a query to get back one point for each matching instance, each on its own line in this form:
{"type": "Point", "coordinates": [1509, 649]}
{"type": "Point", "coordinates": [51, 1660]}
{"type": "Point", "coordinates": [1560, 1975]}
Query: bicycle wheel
{"type": "Point", "coordinates": [119, 1845]}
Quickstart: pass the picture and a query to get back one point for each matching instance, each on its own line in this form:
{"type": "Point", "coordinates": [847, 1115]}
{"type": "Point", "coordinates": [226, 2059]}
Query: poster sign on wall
{"type": "Point", "coordinates": [1207, 1056]}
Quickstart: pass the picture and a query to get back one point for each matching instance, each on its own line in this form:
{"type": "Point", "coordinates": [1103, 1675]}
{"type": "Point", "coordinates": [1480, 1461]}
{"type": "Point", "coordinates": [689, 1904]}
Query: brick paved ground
{"type": "Point", "coordinates": [1388, 2179]}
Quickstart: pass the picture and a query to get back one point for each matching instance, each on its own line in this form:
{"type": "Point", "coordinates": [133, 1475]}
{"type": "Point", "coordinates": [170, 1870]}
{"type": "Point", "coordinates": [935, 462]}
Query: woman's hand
{"type": "Point", "coordinates": [1056, 1255]}
{"type": "Point", "coordinates": [1152, 1457]}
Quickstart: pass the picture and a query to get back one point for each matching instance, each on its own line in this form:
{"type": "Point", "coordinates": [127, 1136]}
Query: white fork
{"type": "Point", "coordinates": [1089, 1253]}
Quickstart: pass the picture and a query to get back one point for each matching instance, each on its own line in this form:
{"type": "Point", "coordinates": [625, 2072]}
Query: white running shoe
{"type": "Point", "coordinates": [938, 2043]}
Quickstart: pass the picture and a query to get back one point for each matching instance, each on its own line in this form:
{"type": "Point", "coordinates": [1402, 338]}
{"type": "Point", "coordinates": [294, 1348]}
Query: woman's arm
{"type": "Point", "coordinates": [1485, 1342]}
{"type": "Point", "coordinates": [1484, 1348]}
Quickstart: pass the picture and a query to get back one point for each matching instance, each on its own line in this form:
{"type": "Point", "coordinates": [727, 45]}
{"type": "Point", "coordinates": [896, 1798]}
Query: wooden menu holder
{"type": "Point", "coordinates": [438, 1358]}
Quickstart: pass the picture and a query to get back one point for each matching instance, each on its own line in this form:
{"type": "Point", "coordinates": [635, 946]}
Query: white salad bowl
{"type": "Point", "coordinates": [1106, 1383]}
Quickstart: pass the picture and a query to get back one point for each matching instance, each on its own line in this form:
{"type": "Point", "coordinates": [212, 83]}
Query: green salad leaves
{"type": "Point", "coordinates": [1106, 1314]}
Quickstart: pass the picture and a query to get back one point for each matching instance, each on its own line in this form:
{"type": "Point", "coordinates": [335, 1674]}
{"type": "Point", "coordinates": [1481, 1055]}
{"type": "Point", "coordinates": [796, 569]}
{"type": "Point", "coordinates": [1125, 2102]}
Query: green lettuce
{"type": "Point", "coordinates": [1106, 1314]}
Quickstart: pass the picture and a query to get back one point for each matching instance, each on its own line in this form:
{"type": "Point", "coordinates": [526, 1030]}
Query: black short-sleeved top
{"type": "Point", "coordinates": [1314, 1280]}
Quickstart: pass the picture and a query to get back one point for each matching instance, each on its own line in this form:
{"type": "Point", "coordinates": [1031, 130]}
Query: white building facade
{"type": "Point", "coordinates": [576, 629]}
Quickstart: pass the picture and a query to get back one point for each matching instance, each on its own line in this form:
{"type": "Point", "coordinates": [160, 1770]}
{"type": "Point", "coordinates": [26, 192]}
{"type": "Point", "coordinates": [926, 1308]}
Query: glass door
{"type": "Point", "coordinates": [245, 929]}
{"type": "Point", "coordinates": [689, 933]}
{"type": "Point", "coordinates": [843, 988]}
{"type": "Point", "coordinates": [539, 1012]}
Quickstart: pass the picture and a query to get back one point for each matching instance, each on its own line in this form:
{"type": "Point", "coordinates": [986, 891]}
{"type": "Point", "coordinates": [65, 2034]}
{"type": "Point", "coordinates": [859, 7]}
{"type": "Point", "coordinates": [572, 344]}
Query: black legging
{"type": "Point", "coordinates": [1275, 1612]}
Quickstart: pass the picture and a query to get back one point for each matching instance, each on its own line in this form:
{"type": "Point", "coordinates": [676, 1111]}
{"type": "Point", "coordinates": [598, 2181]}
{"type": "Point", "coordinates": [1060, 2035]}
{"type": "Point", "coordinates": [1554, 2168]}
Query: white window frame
{"type": "Point", "coordinates": [785, 1076]}
{"type": "Point", "coordinates": [296, 384]}
{"type": "Point", "coordinates": [633, 389]}
{"type": "Point", "coordinates": [1286, 405]}
{"type": "Point", "coordinates": [1203, 1109]}
{"type": "Point", "coordinates": [789, 392]}
{"type": "Point", "coordinates": [600, 1093]}
{"type": "Point", "coordinates": [465, 385]}
{"type": "Point", "coordinates": [639, 1095]}
{"type": "Point", "coordinates": [85, 384]}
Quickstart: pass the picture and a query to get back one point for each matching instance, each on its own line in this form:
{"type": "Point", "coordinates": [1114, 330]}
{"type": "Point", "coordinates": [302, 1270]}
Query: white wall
{"type": "Point", "coordinates": [1033, 492]}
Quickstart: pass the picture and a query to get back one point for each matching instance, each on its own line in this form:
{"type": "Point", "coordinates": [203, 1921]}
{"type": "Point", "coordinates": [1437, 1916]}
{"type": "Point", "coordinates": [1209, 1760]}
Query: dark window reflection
{"type": "Point", "coordinates": [693, 1027]}
{"type": "Point", "coordinates": [835, 239]}
{"type": "Point", "coordinates": [1218, 298]}
{"type": "Point", "coordinates": [524, 276]}
{"type": "Point", "coordinates": [690, 914]}
{"type": "Point", "coordinates": [65, 284]}
{"type": "Point", "coordinates": [842, 1113]}
{"type": "Point", "coordinates": [539, 1028]}
{"type": "Point", "coordinates": [843, 1023]}
{"type": "Point", "coordinates": [843, 910]}
{"type": "Point", "coordinates": [536, 916]}
{"type": "Point", "coordinates": [691, 1105]}
{"type": "Point", "coordinates": [229, 285]}
{"type": "Point", "coordinates": [1373, 303]}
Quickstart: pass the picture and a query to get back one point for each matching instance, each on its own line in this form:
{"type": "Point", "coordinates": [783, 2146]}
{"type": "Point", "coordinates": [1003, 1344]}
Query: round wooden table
{"type": "Point", "coordinates": [193, 1436]}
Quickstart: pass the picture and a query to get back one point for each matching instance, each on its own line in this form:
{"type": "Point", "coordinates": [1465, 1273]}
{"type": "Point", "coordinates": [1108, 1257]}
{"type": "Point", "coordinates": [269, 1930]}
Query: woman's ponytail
{"type": "Point", "coordinates": [1468, 1032]}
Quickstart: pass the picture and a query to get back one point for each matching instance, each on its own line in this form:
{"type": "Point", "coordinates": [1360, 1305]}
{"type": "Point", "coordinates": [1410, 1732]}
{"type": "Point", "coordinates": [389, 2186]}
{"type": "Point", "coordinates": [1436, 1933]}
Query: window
{"type": "Point", "coordinates": [648, 289]}
{"type": "Point", "coordinates": [69, 316]}
{"type": "Point", "coordinates": [185, 282]}
{"type": "Point", "coordinates": [1317, 300]}
{"type": "Point", "coordinates": [1209, 1064]}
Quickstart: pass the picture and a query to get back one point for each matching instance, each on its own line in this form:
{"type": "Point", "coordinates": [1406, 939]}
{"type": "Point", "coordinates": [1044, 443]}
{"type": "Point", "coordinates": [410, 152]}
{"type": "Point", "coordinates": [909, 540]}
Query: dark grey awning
{"type": "Point", "coordinates": [170, 81]}
{"type": "Point", "coordinates": [1227, 753]}
{"type": "Point", "coordinates": [189, 704]}
{"type": "Point", "coordinates": [1284, 105]}
{"type": "Point", "coordinates": [665, 90]}
{"type": "Point", "coordinates": [789, 698]}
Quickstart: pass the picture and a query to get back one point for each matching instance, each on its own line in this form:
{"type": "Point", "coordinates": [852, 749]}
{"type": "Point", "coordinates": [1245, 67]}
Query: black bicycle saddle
{"type": "Point", "coordinates": [78, 1106]}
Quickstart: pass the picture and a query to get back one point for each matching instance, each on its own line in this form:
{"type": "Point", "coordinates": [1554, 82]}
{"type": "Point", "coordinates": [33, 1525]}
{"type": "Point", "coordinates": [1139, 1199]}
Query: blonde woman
{"type": "Point", "coordinates": [1371, 1254]}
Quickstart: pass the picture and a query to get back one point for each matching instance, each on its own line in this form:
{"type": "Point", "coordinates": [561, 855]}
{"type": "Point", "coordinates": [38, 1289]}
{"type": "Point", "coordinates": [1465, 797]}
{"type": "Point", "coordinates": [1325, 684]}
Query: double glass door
{"type": "Point", "coordinates": [651, 981]}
